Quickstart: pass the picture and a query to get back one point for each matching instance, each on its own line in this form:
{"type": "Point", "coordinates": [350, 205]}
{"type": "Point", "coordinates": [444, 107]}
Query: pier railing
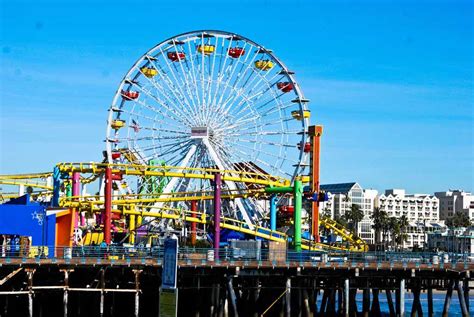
{"type": "Point", "coordinates": [228, 255]}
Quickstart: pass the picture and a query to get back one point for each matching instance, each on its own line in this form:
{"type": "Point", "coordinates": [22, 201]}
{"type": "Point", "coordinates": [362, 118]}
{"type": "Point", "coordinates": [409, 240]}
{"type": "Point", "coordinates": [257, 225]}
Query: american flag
{"type": "Point", "coordinates": [135, 126]}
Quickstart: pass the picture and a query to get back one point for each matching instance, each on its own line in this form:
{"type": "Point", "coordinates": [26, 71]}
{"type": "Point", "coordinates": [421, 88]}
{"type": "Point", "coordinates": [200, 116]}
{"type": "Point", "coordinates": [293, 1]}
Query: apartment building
{"type": "Point", "coordinates": [340, 199]}
{"type": "Point", "coordinates": [455, 201]}
{"type": "Point", "coordinates": [421, 210]}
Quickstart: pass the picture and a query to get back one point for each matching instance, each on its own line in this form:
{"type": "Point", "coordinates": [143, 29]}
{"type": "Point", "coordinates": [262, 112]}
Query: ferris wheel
{"type": "Point", "coordinates": [209, 99]}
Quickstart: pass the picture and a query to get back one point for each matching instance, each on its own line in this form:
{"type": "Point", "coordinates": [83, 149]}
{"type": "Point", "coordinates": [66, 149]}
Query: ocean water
{"type": "Point", "coordinates": [438, 303]}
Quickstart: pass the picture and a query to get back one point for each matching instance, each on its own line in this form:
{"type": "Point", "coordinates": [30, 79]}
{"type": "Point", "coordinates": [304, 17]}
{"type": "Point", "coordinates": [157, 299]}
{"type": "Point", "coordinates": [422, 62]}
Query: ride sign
{"type": "Point", "coordinates": [170, 264]}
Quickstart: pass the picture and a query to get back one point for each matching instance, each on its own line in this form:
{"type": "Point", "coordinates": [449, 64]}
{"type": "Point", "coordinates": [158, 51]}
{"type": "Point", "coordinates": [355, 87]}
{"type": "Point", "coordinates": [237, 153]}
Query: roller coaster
{"type": "Point", "coordinates": [208, 130]}
{"type": "Point", "coordinates": [141, 205]}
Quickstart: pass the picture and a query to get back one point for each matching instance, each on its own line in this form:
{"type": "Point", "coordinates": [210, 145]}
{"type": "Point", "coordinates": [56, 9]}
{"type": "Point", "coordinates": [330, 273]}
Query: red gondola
{"type": "Point", "coordinates": [116, 155]}
{"type": "Point", "coordinates": [307, 147]}
{"type": "Point", "coordinates": [236, 52]}
{"type": "Point", "coordinates": [176, 56]}
{"type": "Point", "coordinates": [285, 86]}
{"type": "Point", "coordinates": [130, 94]}
{"type": "Point", "coordinates": [287, 210]}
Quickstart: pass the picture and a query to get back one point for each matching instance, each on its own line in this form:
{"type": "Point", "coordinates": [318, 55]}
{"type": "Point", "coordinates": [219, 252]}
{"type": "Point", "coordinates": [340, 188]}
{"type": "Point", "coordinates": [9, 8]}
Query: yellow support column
{"type": "Point", "coordinates": [131, 229]}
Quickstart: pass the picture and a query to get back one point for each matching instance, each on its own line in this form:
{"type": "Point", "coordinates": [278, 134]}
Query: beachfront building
{"type": "Point", "coordinates": [340, 199]}
{"type": "Point", "coordinates": [458, 240]}
{"type": "Point", "coordinates": [455, 201]}
{"type": "Point", "coordinates": [421, 211]}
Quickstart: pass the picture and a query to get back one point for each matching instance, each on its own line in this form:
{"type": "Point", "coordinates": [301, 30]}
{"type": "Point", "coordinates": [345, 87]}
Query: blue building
{"type": "Point", "coordinates": [27, 223]}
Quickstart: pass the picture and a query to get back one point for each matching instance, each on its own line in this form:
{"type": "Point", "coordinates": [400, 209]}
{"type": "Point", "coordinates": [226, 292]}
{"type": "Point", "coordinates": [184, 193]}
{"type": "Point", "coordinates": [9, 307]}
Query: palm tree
{"type": "Point", "coordinates": [326, 214]}
{"type": "Point", "coordinates": [458, 220]}
{"type": "Point", "coordinates": [377, 226]}
{"type": "Point", "coordinates": [403, 225]}
{"type": "Point", "coordinates": [344, 208]}
{"type": "Point", "coordinates": [354, 216]}
{"type": "Point", "coordinates": [394, 229]}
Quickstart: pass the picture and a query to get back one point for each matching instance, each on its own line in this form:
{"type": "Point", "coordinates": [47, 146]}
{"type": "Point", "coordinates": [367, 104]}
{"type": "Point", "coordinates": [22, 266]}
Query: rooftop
{"type": "Point", "coordinates": [337, 188]}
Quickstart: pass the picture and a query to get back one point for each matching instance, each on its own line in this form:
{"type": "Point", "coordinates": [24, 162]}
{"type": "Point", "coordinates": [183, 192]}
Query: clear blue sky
{"type": "Point", "coordinates": [391, 81]}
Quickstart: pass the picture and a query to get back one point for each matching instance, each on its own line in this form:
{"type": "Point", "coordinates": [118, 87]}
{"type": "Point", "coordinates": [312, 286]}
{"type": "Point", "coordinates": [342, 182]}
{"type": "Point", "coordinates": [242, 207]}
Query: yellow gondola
{"type": "Point", "coordinates": [264, 64]}
{"type": "Point", "coordinates": [206, 49]}
{"type": "Point", "coordinates": [303, 178]}
{"type": "Point", "coordinates": [117, 124]}
{"type": "Point", "coordinates": [298, 115]}
{"type": "Point", "coordinates": [149, 72]}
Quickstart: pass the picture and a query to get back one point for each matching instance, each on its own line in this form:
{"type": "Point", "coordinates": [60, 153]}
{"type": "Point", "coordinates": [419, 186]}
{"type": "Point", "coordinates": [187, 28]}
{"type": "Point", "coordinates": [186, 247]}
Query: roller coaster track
{"type": "Point", "coordinates": [147, 199]}
{"type": "Point", "coordinates": [26, 183]}
{"type": "Point", "coordinates": [27, 176]}
{"type": "Point", "coordinates": [130, 202]}
{"type": "Point", "coordinates": [175, 171]}
{"type": "Point", "coordinates": [343, 232]}
{"type": "Point", "coordinates": [27, 180]}
{"type": "Point", "coordinates": [239, 226]}
{"type": "Point", "coordinates": [132, 207]}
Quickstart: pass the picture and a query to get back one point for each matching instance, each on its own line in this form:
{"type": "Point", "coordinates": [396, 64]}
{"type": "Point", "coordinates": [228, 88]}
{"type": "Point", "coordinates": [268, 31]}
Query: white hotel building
{"type": "Point", "coordinates": [342, 196]}
{"type": "Point", "coordinates": [422, 212]}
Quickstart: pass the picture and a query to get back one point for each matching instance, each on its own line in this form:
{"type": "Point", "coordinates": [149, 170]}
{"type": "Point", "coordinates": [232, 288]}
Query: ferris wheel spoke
{"type": "Point", "coordinates": [158, 111]}
{"type": "Point", "coordinates": [265, 133]}
{"type": "Point", "coordinates": [176, 114]}
{"type": "Point", "coordinates": [178, 129]}
{"type": "Point", "coordinates": [171, 151]}
{"type": "Point", "coordinates": [271, 100]}
{"type": "Point", "coordinates": [247, 72]}
{"type": "Point", "coordinates": [256, 97]}
{"type": "Point", "coordinates": [241, 91]}
{"type": "Point", "coordinates": [144, 138]}
{"type": "Point", "coordinates": [270, 143]}
{"type": "Point", "coordinates": [245, 65]}
{"type": "Point", "coordinates": [179, 98]}
{"type": "Point", "coordinates": [154, 146]}
{"type": "Point", "coordinates": [282, 107]}
{"type": "Point", "coordinates": [211, 79]}
{"type": "Point", "coordinates": [193, 95]}
{"type": "Point", "coordinates": [221, 64]}
{"type": "Point", "coordinates": [184, 83]}
{"type": "Point", "coordinates": [195, 81]}
{"type": "Point", "coordinates": [260, 150]}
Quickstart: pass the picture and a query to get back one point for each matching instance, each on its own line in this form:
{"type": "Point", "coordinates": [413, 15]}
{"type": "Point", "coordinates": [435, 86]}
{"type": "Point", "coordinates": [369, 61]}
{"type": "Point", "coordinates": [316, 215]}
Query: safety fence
{"type": "Point", "coordinates": [230, 254]}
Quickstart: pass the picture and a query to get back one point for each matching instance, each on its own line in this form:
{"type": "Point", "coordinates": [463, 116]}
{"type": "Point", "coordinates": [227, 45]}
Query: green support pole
{"type": "Point", "coordinates": [298, 204]}
{"type": "Point", "coordinates": [69, 189]}
{"type": "Point", "coordinates": [297, 191]}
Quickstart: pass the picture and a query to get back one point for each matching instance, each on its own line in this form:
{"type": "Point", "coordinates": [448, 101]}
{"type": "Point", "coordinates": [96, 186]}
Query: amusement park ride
{"type": "Point", "coordinates": [208, 130]}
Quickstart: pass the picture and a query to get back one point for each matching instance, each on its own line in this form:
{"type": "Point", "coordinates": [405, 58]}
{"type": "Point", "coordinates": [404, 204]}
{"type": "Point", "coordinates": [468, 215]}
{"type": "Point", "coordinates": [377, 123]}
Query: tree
{"type": "Point", "coordinates": [379, 218]}
{"type": "Point", "coordinates": [354, 215]}
{"type": "Point", "coordinates": [326, 214]}
{"type": "Point", "coordinates": [403, 225]}
{"type": "Point", "coordinates": [394, 228]}
{"type": "Point", "coordinates": [459, 219]}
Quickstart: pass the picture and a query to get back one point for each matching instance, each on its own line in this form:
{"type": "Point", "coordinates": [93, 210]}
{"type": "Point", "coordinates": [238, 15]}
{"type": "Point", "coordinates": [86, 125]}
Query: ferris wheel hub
{"type": "Point", "coordinates": [200, 132]}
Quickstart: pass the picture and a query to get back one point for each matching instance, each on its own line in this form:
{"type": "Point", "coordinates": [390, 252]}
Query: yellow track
{"type": "Point", "coordinates": [135, 199]}
{"type": "Point", "coordinates": [26, 180]}
{"type": "Point", "coordinates": [27, 176]}
{"type": "Point", "coordinates": [236, 225]}
{"type": "Point", "coordinates": [25, 183]}
{"type": "Point", "coordinates": [343, 232]}
{"type": "Point", "coordinates": [175, 171]}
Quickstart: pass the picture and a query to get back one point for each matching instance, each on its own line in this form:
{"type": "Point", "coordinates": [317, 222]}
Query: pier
{"type": "Point", "coordinates": [96, 282]}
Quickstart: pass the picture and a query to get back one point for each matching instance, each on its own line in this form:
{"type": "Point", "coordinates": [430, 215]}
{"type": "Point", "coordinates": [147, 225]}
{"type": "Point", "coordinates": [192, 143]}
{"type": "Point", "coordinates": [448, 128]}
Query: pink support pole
{"type": "Point", "coordinates": [76, 191]}
{"type": "Point", "coordinates": [193, 224]}
{"type": "Point", "coordinates": [217, 213]}
{"type": "Point", "coordinates": [107, 220]}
